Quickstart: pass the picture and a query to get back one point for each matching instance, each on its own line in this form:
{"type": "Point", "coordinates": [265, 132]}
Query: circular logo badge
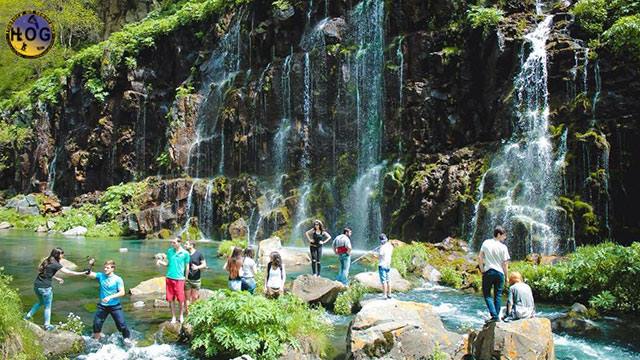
{"type": "Point", "coordinates": [30, 34]}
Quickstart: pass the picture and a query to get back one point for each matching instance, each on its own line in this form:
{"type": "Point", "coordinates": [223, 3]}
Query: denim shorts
{"type": "Point", "coordinates": [384, 274]}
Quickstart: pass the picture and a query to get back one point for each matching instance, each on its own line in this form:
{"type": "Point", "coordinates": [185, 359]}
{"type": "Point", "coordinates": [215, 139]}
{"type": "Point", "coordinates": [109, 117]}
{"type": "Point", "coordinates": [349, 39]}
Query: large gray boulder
{"type": "Point", "coordinates": [393, 329]}
{"type": "Point", "coordinates": [372, 280]}
{"type": "Point", "coordinates": [315, 289]}
{"type": "Point", "coordinates": [528, 339]}
{"type": "Point", "coordinates": [290, 257]}
{"type": "Point", "coordinates": [76, 231]}
{"type": "Point", "coordinates": [57, 343]}
{"type": "Point", "coordinates": [5, 225]}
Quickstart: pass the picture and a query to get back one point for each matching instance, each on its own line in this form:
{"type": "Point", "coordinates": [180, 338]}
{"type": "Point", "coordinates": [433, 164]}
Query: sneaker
{"type": "Point", "coordinates": [26, 318]}
{"type": "Point", "coordinates": [129, 343]}
{"type": "Point", "coordinates": [490, 320]}
{"type": "Point", "coordinates": [173, 320]}
{"type": "Point", "coordinates": [389, 297]}
{"type": "Point", "coordinates": [49, 327]}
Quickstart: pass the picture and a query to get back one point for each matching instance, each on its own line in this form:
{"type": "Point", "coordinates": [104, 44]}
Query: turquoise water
{"type": "Point", "coordinates": [21, 252]}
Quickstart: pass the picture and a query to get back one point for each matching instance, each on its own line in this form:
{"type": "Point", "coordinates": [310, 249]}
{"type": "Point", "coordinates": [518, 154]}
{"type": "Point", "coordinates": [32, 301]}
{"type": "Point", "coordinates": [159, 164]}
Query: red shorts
{"type": "Point", "coordinates": [175, 290]}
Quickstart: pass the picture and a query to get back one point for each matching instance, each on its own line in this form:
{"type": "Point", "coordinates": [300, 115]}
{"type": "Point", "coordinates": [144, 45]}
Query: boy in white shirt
{"type": "Point", "coordinates": [494, 264]}
{"type": "Point", "coordinates": [384, 264]}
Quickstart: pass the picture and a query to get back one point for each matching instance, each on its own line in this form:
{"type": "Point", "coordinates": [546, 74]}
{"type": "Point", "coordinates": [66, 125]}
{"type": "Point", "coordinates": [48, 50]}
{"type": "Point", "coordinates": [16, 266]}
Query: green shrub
{"type": "Point", "coordinates": [16, 340]}
{"type": "Point", "coordinates": [405, 258]}
{"type": "Point", "coordinates": [591, 16]}
{"type": "Point", "coordinates": [484, 18]}
{"type": "Point", "coordinates": [108, 229]}
{"type": "Point", "coordinates": [121, 199]}
{"type": "Point", "coordinates": [605, 275]}
{"type": "Point", "coordinates": [72, 218]}
{"type": "Point", "coordinates": [231, 324]}
{"type": "Point", "coordinates": [226, 246]}
{"type": "Point", "coordinates": [624, 36]}
{"type": "Point", "coordinates": [73, 323]}
{"type": "Point", "coordinates": [27, 222]}
{"type": "Point", "coordinates": [450, 277]}
{"type": "Point", "coordinates": [347, 300]}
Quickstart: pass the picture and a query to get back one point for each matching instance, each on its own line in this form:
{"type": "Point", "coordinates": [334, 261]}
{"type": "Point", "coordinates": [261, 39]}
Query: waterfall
{"type": "Point", "coordinates": [141, 135]}
{"type": "Point", "coordinates": [521, 186]}
{"type": "Point", "coordinates": [219, 73]}
{"type": "Point", "coordinates": [301, 217]}
{"type": "Point", "coordinates": [280, 138]}
{"type": "Point", "coordinates": [367, 66]}
{"type": "Point", "coordinates": [400, 57]}
{"type": "Point", "coordinates": [206, 212]}
{"type": "Point", "coordinates": [596, 94]}
{"type": "Point", "coordinates": [585, 87]}
{"type": "Point", "coordinates": [51, 176]}
{"type": "Point", "coordinates": [187, 212]}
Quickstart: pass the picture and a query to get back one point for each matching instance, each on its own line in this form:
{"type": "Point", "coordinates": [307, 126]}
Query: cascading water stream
{"type": "Point", "coordinates": [520, 188]}
{"type": "Point", "coordinates": [363, 207]}
{"type": "Point", "coordinates": [141, 135]}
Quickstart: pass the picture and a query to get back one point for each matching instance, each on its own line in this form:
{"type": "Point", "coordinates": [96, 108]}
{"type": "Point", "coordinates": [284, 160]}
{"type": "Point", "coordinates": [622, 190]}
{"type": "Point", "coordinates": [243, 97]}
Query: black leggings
{"type": "Point", "coordinates": [316, 254]}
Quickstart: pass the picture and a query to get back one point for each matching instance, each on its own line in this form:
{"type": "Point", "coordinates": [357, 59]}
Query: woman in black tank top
{"type": "Point", "coordinates": [316, 237]}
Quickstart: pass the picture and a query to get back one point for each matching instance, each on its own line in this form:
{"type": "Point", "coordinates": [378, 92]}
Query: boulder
{"type": "Point", "coordinates": [30, 210]}
{"type": "Point", "coordinates": [528, 339]}
{"type": "Point", "coordinates": [238, 229]}
{"type": "Point", "coordinates": [431, 274]}
{"type": "Point", "coordinates": [153, 286]}
{"type": "Point", "coordinates": [153, 219]}
{"type": "Point", "coordinates": [579, 308]}
{"type": "Point", "coordinates": [372, 280]}
{"type": "Point", "coordinates": [76, 231]}
{"type": "Point", "coordinates": [315, 289]}
{"type": "Point", "coordinates": [169, 333]}
{"type": "Point", "coordinates": [393, 329]}
{"type": "Point", "coordinates": [290, 257]}
{"type": "Point", "coordinates": [39, 229]}
{"type": "Point", "coordinates": [205, 294]}
{"type": "Point", "coordinates": [68, 264]}
{"type": "Point", "coordinates": [138, 304]}
{"type": "Point", "coordinates": [576, 322]}
{"type": "Point", "coordinates": [57, 343]}
{"type": "Point", "coordinates": [333, 28]}
{"type": "Point", "coordinates": [5, 225]}
{"type": "Point", "coordinates": [452, 244]}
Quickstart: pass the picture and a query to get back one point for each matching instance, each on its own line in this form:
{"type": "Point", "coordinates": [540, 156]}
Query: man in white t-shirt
{"type": "Point", "coordinates": [384, 264]}
{"type": "Point", "coordinates": [494, 264]}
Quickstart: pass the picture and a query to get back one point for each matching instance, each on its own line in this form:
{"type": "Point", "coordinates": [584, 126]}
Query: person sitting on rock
{"type": "Point", "coordinates": [275, 276]}
{"type": "Point", "coordinates": [234, 266]}
{"type": "Point", "coordinates": [520, 303]}
{"type": "Point", "coordinates": [249, 270]}
{"type": "Point", "coordinates": [111, 289]}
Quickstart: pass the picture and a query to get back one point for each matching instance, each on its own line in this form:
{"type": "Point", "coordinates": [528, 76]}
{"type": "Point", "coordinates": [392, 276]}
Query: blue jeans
{"type": "Point", "coordinates": [102, 311]}
{"type": "Point", "coordinates": [45, 298]}
{"type": "Point", "coordinates": [248, 284]}
{"type": "Point", "coordinates": [492, 279]}
{"type": "Point", "coordinates": [345, 263]}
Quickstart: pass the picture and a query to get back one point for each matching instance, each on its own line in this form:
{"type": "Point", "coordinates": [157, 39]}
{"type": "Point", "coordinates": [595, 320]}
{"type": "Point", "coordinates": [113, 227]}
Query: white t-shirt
{"type": "Point", "coordinates": [276, 279]}
{"type": "Point", "coordinates": [495, 253]}
{"type": "Point", "coordinates": [384, 255]}
{"type": "Point", "coordinates": [248, 268]}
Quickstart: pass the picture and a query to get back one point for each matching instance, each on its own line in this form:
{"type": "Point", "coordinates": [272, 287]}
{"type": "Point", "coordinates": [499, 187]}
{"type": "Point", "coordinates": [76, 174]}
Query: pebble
{"type": "Point", "coordinates": [124, 250]}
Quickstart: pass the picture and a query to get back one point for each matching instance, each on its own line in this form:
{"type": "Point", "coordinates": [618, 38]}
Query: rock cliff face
{"type": "Point", "coordinates": [285, 96]}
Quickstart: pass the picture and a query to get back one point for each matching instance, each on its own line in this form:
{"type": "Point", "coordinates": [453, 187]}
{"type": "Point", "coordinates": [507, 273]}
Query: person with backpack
{"type": "Point", "coordinates": [317, 237]}
{"type": "Point", "coordinates": [342, 248]}
{"type": "Point", "coordinates": [275, 276]}
{"type": "Point", "coordinates": [42, 286]}
{"type": "Point", "coordinates": [233, 267]}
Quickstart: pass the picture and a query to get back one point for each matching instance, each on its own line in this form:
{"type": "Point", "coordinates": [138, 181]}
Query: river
{"type": "Point", "coordinates": [22, 250]}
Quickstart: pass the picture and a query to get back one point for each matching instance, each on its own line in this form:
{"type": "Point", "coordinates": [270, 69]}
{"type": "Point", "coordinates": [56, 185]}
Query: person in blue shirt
{"type": "Point", "coordinates": [111, 290]}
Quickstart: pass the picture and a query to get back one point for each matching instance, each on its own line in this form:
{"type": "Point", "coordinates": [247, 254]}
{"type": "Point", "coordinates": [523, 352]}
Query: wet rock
{"type": "Point", "coordinates": [452, 244]}
{"type": "Point", "coordinates": [334, 28]}
{"type": "Point", "coordinates": [153, 219]}
{"type": "Point", "coordinates": [30, 210]}
{"type": "Point", "coordinates": [138, 304]}
{"type": "Point", "coordinates": [393, 329]}
{"type": "Point", "coordinates": [284, 13]}
{"type": "Point", "coordinates": [576, 322]}
{"type": "Point", "coordinates": [290, 257]}
{"type": "Point", "coordinates": [76, 231]}
{"type": "Point", "coordinates": [57, 343]}
{"type": "Point", "coordinates": [5, 225]}
{"type": "Point", "coordinates": [372, 280]}
{"type": "Point", "coordinates": [315, 289]}
{"type": "Point", "coordinates": [431, 274]}
{"type": "Point", "coordinates": [40, 228]}
{"type": "Point", "coordinates": [579, 308]}
{"type": "Point", "coordinates": [171, 333]}
{"type": "Point", "coordinates": [156, 285]}
{"type": "Point", "coordinates": [528, 339]}
{"type": "Point", "coordinates": [238, 229]}
{"type": "Point", "coordinates": [68, 264]}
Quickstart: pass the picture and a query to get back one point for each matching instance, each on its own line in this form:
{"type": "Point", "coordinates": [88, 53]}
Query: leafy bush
{"type": "Point", "coordinates": [591, 16]}
{"type": "Point", "coordinates": [74, 217]}
{"type": "Point", "coordinates": [225, 248]}
{"type": "Point", "coordinates": [405, 258]}
{"type": "Point", "coordinates": [16, 340]}
{"type": "Point", "coordinates": [591, 273]}
{"type": "Point", "coordinates": [484, 18]}
{"type": "Point", "coordinates": [347, 300]}
{"type": "Point", "coordinates": [27, 222]}
{"type": "Point", "coordinates": [231, 324]}
{"type": "Point", "coordinates": [73, 323]}
{"type": "Point", "coordinates": [123, 198]}
{"type": "Point", "coordinates": [450, 277]}
{"type": "Point", "coordinates": [624, 36]}
{"type": "Point", "coordinates": [109, 229]}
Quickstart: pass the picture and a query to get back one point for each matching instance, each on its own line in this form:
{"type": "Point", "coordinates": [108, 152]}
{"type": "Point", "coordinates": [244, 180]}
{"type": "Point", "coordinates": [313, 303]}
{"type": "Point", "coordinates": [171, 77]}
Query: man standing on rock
{"type": "Point", "coordinates": [111, 289]}
{"type": "Point", "coordinates": [342, 248]}
{"type": "Point", "coordinates": [494, 264]}
{"type": "Point", "coordinates": [384, 264]}
{"type": "Point", "coordinates": [197, 262]}
{"type": "Point", "coordinates": [177, 263]}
